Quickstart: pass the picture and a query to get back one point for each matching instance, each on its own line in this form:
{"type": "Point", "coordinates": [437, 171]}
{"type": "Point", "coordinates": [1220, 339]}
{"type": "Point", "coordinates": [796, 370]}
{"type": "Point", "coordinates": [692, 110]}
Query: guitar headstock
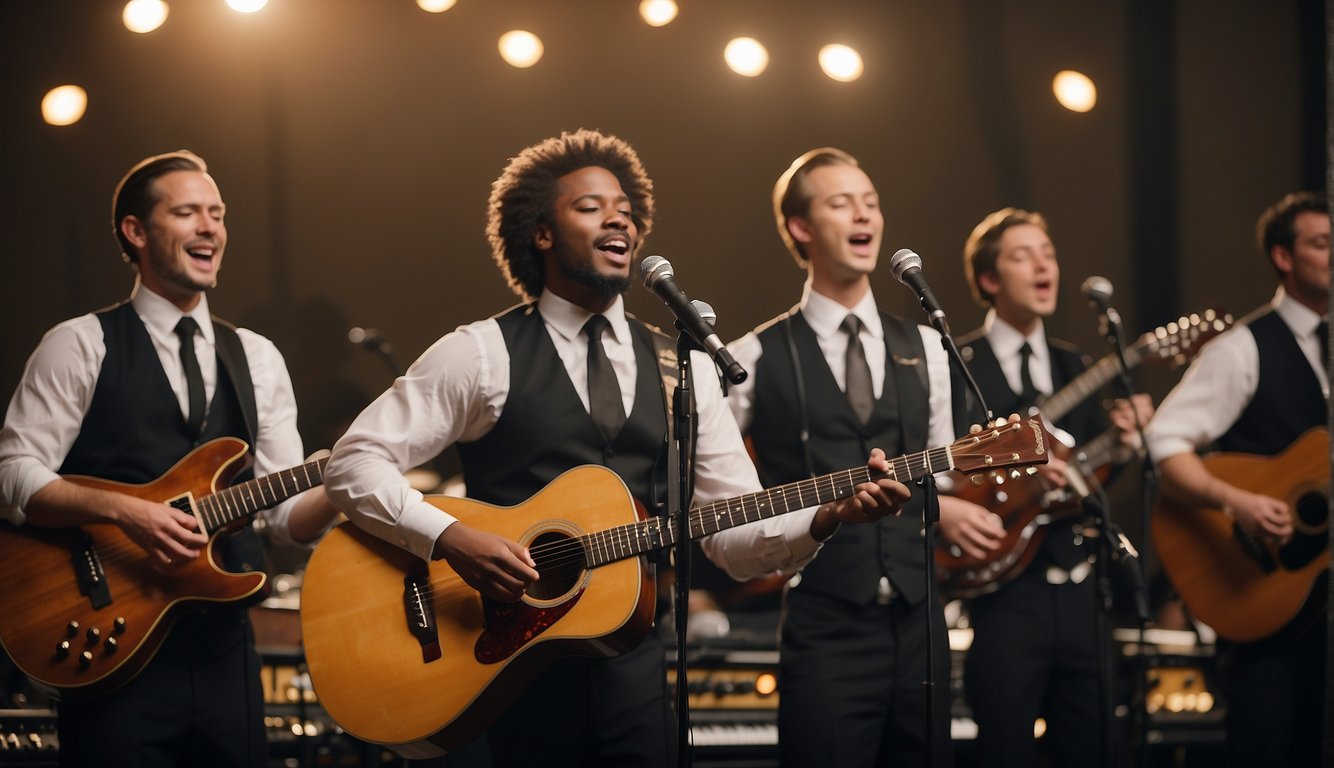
{"type": "Point", "coordinates": [1179, 340]}
{"type": "Point", "coordinates": [1020, 443]}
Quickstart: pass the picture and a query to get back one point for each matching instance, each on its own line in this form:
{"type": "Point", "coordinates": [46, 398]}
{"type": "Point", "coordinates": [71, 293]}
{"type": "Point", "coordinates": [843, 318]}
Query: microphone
{"type": "Point", "coordinates": [1098, 290]}
{"type": "Point", "coordinates": [370, 339]}
{"type": "Point", "coordinates": [907, 268]}
{"type": "Point", "coordinates": [660, 278]}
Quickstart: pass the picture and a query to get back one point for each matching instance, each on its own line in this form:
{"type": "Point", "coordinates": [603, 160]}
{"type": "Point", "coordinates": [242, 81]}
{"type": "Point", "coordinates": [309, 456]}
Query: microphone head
{"type": "Point", "coordinates": [904, 261]}
{"type": "Point", "coordinates": [705, 311]}
{"type": "Point", "coordinates": [1098, 290]}
{"type": "Point", "coordinates": [358, 335]}
{"type": "Point", "coordinates": [654, 268]}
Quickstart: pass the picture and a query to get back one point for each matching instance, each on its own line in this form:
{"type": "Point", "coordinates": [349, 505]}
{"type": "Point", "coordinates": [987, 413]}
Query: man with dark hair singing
{"type": "Point", "coordinates": [123, 394]}
{"type": "Point", "coordinates": [566, 378]}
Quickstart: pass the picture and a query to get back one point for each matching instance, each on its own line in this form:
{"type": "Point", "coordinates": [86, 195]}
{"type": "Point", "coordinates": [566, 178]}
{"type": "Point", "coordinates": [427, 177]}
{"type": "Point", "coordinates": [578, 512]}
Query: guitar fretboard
{"type": "Point", "coordinates": [244, 499]}
{"type": "Point", "coordinates": [637, 538]}
{"type": "Point", "coordinates": [1085, 384]}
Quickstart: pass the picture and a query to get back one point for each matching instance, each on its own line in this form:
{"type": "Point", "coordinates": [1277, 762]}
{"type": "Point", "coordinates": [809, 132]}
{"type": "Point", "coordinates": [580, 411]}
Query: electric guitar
{"type": "Point", "coordinates": [403, 653]}
{"type": "Point", "coordinates": [1026, 503]}
{"type": "Point", "coordinates": [84, 609]}
{"type": "Point", "coordinates": [1245, 589]}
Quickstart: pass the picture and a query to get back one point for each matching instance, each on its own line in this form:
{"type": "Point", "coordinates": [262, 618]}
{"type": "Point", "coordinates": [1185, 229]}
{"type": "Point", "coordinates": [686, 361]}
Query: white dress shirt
{"type": "Point", "coordinates": [456, 391]}
{"type": "Point", "coordinates": [1221, 382]}
{"type": "Point", "coordinates": [1005, 342]}
{"type": "Point", "coordinates": [57, 388]}
{"type": "Point", "coordinates": [825, 317]}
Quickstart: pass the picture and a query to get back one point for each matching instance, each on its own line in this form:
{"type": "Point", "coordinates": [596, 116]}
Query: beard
{"type": "Point", "coordinates": [604, 286]}
{"type": "Point", "coordinates": [168, 267]}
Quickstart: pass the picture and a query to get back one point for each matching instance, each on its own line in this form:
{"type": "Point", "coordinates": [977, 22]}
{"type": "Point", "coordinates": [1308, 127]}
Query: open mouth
{"type": "Point", "coordinates": [617, 244]}
{"type": "Point", "coordinates": [202, 253]}
{"type": "Point", "coordinates": [860, 239]}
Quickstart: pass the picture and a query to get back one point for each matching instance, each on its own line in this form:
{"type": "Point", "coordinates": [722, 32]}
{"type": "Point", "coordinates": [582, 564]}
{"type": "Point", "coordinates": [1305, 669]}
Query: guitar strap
{"type": "Point", "coordinates": [232, 356]}
{"type": "Point", "coordinates": [805, 433]}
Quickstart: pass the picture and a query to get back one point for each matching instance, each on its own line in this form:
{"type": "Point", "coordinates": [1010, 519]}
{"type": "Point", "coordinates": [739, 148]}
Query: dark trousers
{"type": "Point", "coordinates": [591, 712]}
{"type": "Point", "coordinates": [1035, 653]}
{"type": "Point", "coordinates": [1275, 699]}
{"type": "Point", "coordinates": [850, 684]}
{"type": "Point", "coordinates": [198, 702]}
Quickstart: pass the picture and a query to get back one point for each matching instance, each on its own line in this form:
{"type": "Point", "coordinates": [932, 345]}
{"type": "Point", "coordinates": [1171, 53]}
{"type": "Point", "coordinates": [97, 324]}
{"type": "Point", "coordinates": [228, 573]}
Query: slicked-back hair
{"type": "Point", "coordinates": [524, 196]}
{"type": "Point", "coordinates": [982, 248]}
{"type": "Point", "coordinates": [1277, 226]}
{"type": "Point", "coordinates": [792, 197]}
{"type": "Point", "coordinates": [136, 194]}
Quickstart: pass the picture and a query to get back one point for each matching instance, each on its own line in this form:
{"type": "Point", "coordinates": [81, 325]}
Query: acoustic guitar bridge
{"type": "Point", "coordinates": [419, 607]}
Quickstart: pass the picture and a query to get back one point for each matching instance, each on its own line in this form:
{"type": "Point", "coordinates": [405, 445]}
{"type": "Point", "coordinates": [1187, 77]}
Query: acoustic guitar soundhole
{"type": "Point", "coordinates": [1310, 521]}
{"type": "Point", "coordinates": [560, 563]}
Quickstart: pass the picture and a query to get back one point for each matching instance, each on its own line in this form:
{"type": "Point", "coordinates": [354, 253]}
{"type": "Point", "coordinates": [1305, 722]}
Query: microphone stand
{"type": "Point", "coordinates": [680, 490]}
{"type": "Point", "coordinates": [930, 517]}
{"type": "Point", "coordinates": [1120, 548]}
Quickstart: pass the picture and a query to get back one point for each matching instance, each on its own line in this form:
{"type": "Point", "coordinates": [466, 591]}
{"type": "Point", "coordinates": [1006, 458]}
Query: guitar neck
{"type": "Point", "coordinates": [1085, 384]}
{"type": "Point", "coordinates": [243, 500]}
{"type": "Point", "coordinates": [1097, 452]}
{"type": "Point", "coordinates": [637, 538]}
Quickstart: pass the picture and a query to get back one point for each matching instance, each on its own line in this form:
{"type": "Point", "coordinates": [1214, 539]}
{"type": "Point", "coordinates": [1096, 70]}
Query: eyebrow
{"type": "Point", "coordinates": [600, 197]}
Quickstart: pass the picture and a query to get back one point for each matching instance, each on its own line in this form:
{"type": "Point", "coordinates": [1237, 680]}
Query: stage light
{"type": "Point", "coordinates": [144, 15]}
{"type": "Point", "coordinates": [841, 63]}
{"type": "Point", "coordinates": [658, 13]}
{"type": "Point", "coordinates": [1074, 90]}
{"type": "Point", "coordinates": [64, 105]}
{"type": "Point", "coordinates": [519, 48]}
{"type": "Point", "coordinates": [746, 56]}
{"type": "Point", "coordinates": [435, 6]}
{"type": "Point", "coordinates": [247, 6]}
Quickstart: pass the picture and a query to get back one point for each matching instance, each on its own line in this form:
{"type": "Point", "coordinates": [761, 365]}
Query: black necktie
{"type": "Point", "coordinates": [1028, 394]}
{"type": "Point", "coordinates": [861, 394]}
{"type": "Point", "coordinates": [193, 378]}
{"type": "Point", "coordinates": [1322, 333]}
{"type": "Point", "coordinates": [604, 391]}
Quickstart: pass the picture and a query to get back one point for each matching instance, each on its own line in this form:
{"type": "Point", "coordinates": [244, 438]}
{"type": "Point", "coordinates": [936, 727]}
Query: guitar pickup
{"type": "Point", "coordinates": [419, 609]}
{"type": "Point", "coordinates": [88, 573]}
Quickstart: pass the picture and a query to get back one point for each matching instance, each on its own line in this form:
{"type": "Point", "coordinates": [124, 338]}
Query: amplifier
{"type": "Point", "coordinates": [28, 737]}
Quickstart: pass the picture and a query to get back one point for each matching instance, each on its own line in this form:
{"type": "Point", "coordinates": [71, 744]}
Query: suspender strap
{"type": "Point", "coordinates": [801, 392]}
{"type": "Point", "coordinates": [232, 356]}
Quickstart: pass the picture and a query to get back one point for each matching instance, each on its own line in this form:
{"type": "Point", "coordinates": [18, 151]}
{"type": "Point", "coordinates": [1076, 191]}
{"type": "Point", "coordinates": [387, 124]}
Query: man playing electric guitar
{"type": "Point", "coordinates": [1256, 390]}
{"type": "Point", "coordinates": [122, 394]}
{"type": "Point", "coordinates": [1035, 652]}
{"type": "Point", "coordinates": [565, 379]}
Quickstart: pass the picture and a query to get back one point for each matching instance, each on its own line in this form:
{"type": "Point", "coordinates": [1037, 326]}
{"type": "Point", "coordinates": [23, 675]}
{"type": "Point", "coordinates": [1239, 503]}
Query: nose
{"type": "Point", "coordinates": [618, 220]}
{"type": "Point", "coordinates": [207, 225]}
{"type": "Point", "coordinates": [861, 212]}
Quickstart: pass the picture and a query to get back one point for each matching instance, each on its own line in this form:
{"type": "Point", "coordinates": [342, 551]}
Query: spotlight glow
{"type": "Point", "coordinates": [746, 56]}
{"type": "Point", "coordinates": [435, 6]}
{"type": "Point", "coordinates": [841, 63]}
{"type": "Point", "coordinates": [246, 6]}
{"type": "Point", "coordinates": [144, 15]}
{"type": "Point", "coordinates": [1074, 90]}
{"type": "Point", "coordinates": [658, 13]}
{"type": "Point", "coordinates": [64, 105]}
{"type": "Point", "coordinates": [520, 48]}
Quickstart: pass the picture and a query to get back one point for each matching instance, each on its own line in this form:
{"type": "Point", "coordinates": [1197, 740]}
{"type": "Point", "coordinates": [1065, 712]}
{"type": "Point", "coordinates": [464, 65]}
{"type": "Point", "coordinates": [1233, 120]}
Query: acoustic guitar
{"type": "Point", "coordinates": [1246, 589]}
{"type": "Point", "coordinates": [84, 609]}
{"type": "Point", "coordinates": [403, 653]}
{"type": "Point", "coordinates": [1026, 503]}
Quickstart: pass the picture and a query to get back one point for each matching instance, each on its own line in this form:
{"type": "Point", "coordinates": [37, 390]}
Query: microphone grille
{"type": "Point", "coordinates": [904, 260]}
{"type": "Point", "coordinates": [705, 311]}
{"type": "Point", "coordinates": [1097, 288]}
{"type": "Point", "coordinates": [654, 268]}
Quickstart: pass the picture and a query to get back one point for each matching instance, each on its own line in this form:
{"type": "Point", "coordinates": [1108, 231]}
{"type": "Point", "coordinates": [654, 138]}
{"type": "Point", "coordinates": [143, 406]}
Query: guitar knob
{"type": "Point", "coordinates": [118, 626]}
{"type": "Point", "coordinates": [86, 659]}
{"type": "Point", "coordinates": [62, 649]}
{"type": "Point", "coordinates": [72, 629]}
{"type": "Point", "coordinates": [94, 634]}
{"type": "Point", "coordinates": [111, 645]}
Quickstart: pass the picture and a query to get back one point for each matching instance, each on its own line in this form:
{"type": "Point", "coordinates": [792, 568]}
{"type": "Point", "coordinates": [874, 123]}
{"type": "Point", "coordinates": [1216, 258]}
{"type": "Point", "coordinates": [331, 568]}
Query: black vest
{"type": "Point", "coordinates": [1064, 544]}
{"type": "Point", "coordinates": [851, 562]}
{"type": "Point", "coordinates": [545, 430]}
{"type": "Point", "coordinates": [134, 432]}
{"type": "Point", "coordinates": [1288, 400]}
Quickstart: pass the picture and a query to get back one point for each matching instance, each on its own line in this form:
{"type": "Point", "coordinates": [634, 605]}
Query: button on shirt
{"type": "Point", "coordinates": [57, 388]}
{"type": "Point", "coordinates": [456, 391]}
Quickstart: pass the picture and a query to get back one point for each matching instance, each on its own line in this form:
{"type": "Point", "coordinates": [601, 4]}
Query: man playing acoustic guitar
{"type": "Point", "coordinates": [115, 395]}
{"type": "Point", "coordinates": [565, 379]}
{"type": "Point", "coordinates": [1256, 390]}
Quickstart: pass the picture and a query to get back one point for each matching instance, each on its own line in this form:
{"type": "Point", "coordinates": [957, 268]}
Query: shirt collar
{"type": "Point", "coordinates": [161, 316]}
{"type": "Point", "coordinates": [1006, 340]}
{"type": "Point", "coordinates": [568, 318]}
{"type": "Point", "coordinates": [825, 316]}
{"type": "Point", "coordinates": [1297, 315]}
